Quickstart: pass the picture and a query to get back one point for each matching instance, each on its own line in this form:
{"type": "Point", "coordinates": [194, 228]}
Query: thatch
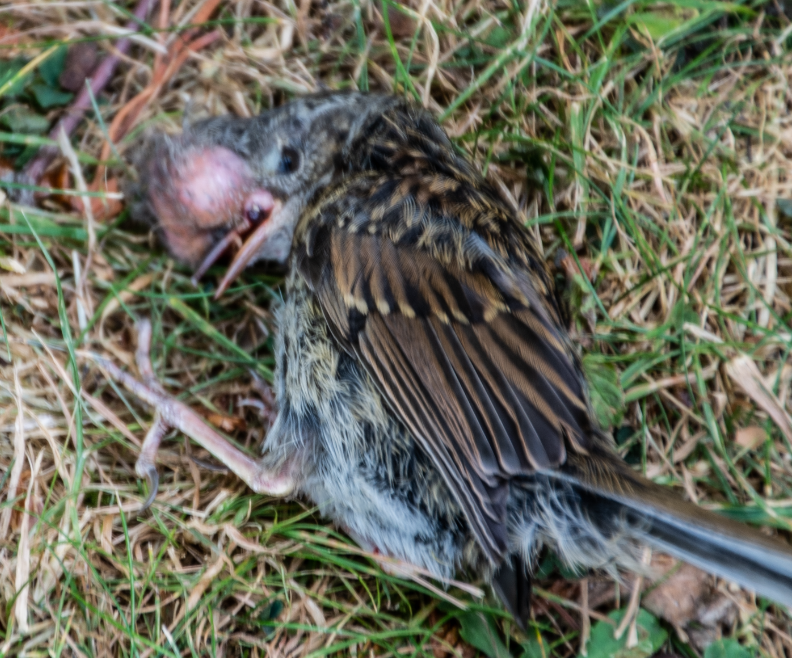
{"type": "Point", "coordinates": [648, 147]}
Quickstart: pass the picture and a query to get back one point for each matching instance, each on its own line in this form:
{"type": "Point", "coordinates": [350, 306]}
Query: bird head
{"type": "Point", "coordinates": [230, 180]}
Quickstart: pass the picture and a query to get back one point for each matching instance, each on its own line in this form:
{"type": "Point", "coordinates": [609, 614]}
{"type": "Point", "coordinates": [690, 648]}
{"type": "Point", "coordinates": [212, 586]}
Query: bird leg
{"type": "Point", "coordinates": [170, 413]}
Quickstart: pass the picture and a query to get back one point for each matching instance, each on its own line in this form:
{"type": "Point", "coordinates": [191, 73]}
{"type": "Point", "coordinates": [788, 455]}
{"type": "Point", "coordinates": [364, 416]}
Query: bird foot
{"type": "Point", "coordinates": [170, 413]}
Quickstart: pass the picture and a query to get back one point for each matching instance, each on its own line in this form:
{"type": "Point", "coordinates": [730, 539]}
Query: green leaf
{"type": "Point", "coordinates": [607, 394]}
{"type": "Point", "coordinates": [535, 646]}
{"type": "Point", "coordinates": [683, 313]}
{"type": "Point", "coordinates": [727, 648]}
{"type": "Point", "coordinates": [47, 96]}
{"type": "Point", "coordinates": [52, 67]}
{"type": "Point", "coordinates": [657, 24]}
{"type": "Point", "coordinates": [8, 71]}
{"type": "Point", "coordinates": [499, 37]}
{"type": "Point", "coordinates": [785, 207]}
{"type": "Point", "coordinates": [479, 631]}
{"type": "Point", "coordinates": [22, 119]}
{"type": "Point", "coordinates": [268, 614]}
{"type": "Point", "coordinates": [651, 636]}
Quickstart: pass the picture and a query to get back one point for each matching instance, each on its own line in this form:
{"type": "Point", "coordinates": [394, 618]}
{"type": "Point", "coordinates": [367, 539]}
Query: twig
{"type": "Point", "coordinates": [585, 621]}
{"type": "Point", "coordinates": [631, 613]}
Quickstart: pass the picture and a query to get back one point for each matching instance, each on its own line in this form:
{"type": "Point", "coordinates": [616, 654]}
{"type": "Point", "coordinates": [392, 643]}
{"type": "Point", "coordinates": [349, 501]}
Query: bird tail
{"type": "Point", "coordinates": [512, 583]}
{"type": "Point", "coordinates": [617, 500]}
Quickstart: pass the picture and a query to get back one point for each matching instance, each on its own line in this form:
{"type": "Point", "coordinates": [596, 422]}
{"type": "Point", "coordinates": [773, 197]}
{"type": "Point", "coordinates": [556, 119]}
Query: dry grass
{"type": "Point", "coordinates": [660, 166]}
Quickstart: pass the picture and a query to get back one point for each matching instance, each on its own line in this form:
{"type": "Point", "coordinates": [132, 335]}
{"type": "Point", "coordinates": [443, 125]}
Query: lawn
{"type": "Point", "coordinates": [648, 146]}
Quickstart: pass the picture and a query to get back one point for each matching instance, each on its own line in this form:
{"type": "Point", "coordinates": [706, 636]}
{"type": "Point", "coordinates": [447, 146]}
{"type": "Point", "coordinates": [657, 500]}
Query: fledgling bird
{"type": "Point", "coordinates": [429, 399]}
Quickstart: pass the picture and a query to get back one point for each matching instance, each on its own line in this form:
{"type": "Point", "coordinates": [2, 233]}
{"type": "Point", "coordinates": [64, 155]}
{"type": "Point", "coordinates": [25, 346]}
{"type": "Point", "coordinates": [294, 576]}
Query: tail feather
{"type": "Point", "coordinates": [512, 583]}
{"type": "Point", "coordinates": [724, 548]}
{"type": "Point", "coordinates": [712, 542]}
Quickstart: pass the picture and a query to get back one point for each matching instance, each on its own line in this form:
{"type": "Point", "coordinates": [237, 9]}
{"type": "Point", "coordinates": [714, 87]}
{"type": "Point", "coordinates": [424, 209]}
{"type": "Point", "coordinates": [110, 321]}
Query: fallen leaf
{"type": "Point", "coordinates": [679, 593]}
{"type": "Point", "coordinates": [81, 60]}
{"type": "Point", "coordinates": [12, 265]}
{"type": "Point", "coordinates": [572, 269]}
{"type": "Point", "coordinates": [687, 598]}
{"type": "Point", "coordinates": [750, 437]}
{"type": "Point", "coordinates": [57, 178]}
{"type": "Point", "coordinates": [224, 422]}
{"type": "Point", "coordinates": [746, 375]}
{"type": "Point", "coordinates": [401, 25]}
{"type": "Point", "coordinates": [102, 207]}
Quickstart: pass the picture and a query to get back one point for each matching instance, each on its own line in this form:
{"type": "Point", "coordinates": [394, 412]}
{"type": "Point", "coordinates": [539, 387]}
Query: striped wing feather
{"type": "Point", "coordinates": [479, 378]}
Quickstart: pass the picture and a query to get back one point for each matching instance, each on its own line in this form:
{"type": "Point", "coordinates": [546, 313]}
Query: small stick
{"type": "Point", "coordinates": [630, 615]}
{"type": "Point", "coordinates": [585, 621]}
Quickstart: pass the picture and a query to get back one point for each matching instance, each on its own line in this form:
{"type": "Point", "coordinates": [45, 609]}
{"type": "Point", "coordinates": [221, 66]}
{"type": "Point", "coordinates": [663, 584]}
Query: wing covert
{"type": "Point", "coordinates": [476, 371]}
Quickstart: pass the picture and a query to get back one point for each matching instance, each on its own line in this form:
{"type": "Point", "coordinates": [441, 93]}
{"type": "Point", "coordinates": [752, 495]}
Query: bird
{"type": "Point", "coordinates": [430, 400]}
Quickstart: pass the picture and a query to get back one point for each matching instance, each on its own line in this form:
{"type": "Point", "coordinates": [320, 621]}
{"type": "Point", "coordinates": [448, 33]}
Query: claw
{"type": "Point", "coordinates": [145, 466]}
{"type": "Point", "coordinates": [146, 469]}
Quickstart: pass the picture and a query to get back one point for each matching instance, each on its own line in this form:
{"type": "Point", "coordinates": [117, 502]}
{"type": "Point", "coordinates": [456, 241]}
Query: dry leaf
{"type": "Point", "coordinates": [58, 178]}
{"type": "Point", "coordinates": [571, 268]}
{"type": "Point", "coordinates": [102, 207]}
{"type": "Point", "coordinates": [80, 62]}
{"type": "Point", "coordinates": [686, 597]}
{"type": "Point", "coordinates": [224, 422]}
{"type": "Point", "coordinates": [12, 265]}
{"type": "Point", "coordinates": [743, 371]}
{"type": "Point", "coordinates": [401, 25]}
{"type": "Point", "coordinates": [750, 437]}
{"type": "Point", "coordinates": [678, 598]}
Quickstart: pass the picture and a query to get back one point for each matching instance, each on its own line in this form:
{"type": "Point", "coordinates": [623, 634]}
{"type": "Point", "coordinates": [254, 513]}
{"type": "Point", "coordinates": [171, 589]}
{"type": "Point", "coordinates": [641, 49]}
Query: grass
{"type": "Point", "coordinates": [648, 147]}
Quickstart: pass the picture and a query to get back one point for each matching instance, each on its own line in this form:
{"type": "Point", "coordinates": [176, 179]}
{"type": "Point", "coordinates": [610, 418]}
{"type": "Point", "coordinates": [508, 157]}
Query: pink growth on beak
{"type": "Point", "coordinates": [195, 191]}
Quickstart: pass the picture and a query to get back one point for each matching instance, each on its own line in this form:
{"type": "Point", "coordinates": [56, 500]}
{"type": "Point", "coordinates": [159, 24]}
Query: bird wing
{"type": "Point", "coordinates": [461, 347]}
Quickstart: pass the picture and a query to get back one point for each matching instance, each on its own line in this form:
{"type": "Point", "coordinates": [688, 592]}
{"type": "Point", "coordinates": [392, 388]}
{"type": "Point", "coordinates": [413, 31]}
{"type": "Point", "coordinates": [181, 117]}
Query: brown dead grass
{"type": "Point", "coordinates": [680, 173]}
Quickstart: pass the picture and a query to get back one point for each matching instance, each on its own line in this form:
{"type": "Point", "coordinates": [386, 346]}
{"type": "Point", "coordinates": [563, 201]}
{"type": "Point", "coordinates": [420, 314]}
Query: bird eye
{"type": "Point", "coordinates": [290, 161]}
{"type": "Point", "coordinates": [254, 213]}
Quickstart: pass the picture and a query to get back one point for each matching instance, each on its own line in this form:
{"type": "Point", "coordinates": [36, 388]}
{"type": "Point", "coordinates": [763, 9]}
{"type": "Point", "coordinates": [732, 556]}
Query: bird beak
{"type": "Point", "coordinates": [249, 249]}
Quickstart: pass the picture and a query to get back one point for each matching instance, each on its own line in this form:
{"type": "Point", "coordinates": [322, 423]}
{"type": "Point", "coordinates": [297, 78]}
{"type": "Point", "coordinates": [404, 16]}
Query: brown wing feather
{"type": "Point", "coordinates": [481, 379]}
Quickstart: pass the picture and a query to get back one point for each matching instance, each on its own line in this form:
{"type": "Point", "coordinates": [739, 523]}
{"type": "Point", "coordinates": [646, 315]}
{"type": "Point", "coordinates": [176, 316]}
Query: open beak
{"type": "Point", "coordinates": [249, 249]}
{"type": "Point", "coordinates": [235, 235]}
